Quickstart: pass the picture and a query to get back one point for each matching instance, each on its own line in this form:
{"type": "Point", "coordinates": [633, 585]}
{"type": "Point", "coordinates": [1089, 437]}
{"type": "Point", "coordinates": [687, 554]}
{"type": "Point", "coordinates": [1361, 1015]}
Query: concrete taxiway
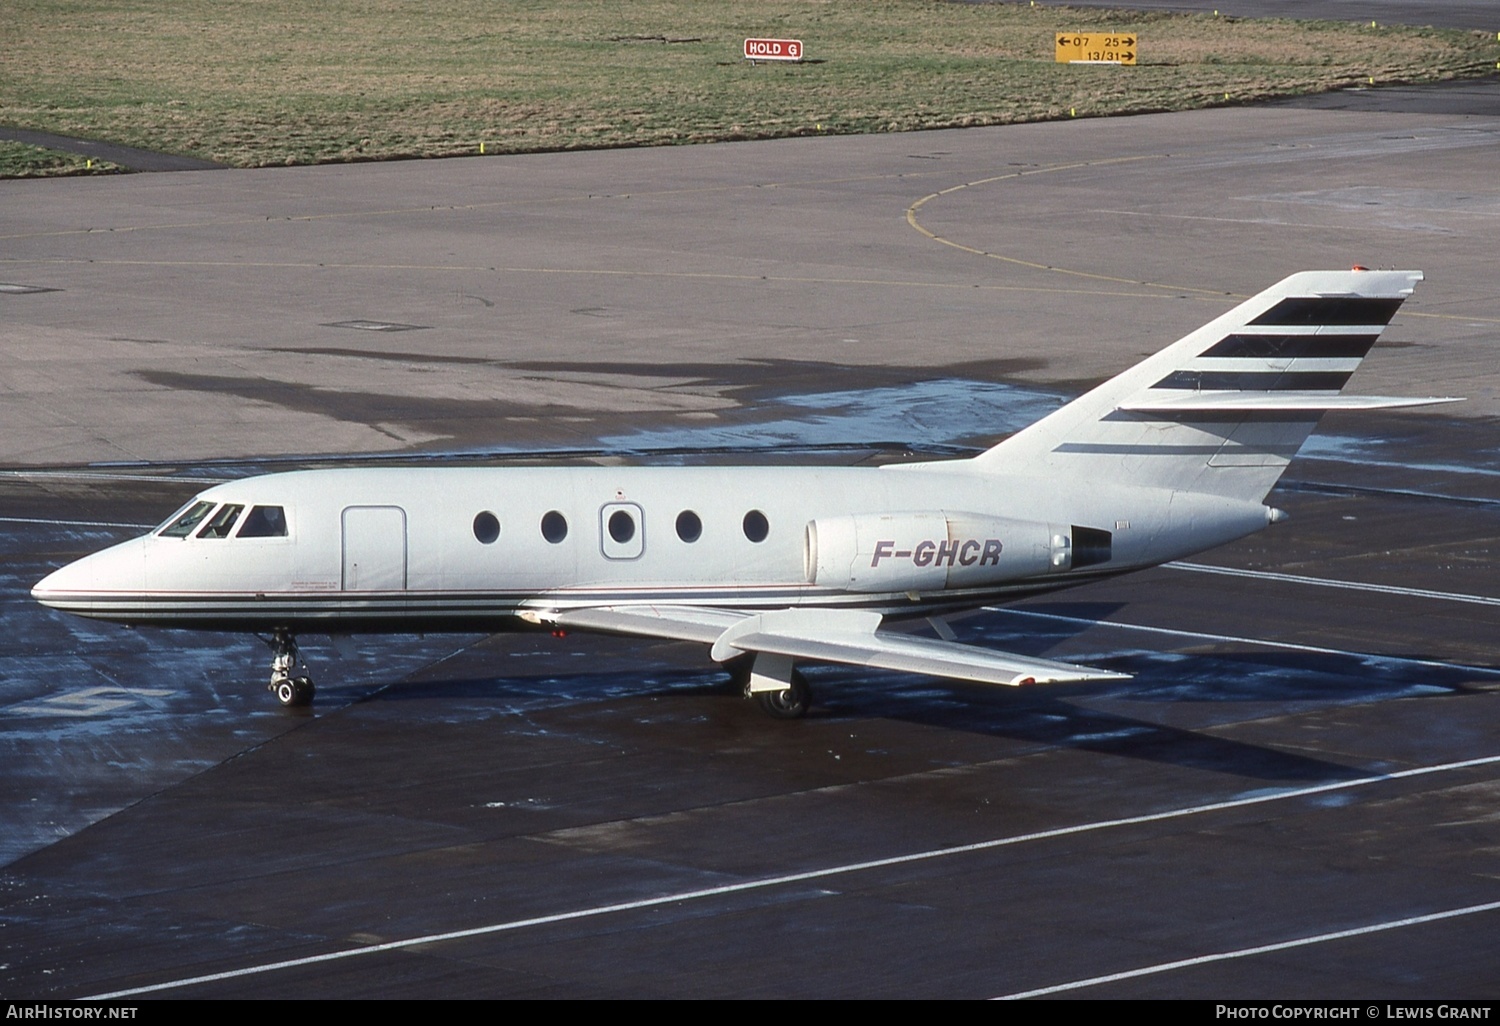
{"type": "Point", "coordinates": [1293, 797]}
{"type": "Point", "coordinates": [1465, 14]}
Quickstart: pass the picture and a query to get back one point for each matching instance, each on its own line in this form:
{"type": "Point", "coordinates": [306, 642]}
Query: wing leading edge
{"type": "Point", "coordinates": [848, 636]}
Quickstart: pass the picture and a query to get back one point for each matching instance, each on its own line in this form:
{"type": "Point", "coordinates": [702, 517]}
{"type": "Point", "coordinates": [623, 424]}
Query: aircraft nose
{"type": "Point", "coordinates": [117, 571]}
{"type": "Point", "coordinates": [50, 589]}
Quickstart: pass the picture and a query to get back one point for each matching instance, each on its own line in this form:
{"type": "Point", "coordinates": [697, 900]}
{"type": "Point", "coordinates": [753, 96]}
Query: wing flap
{"type": "Point", "coordinates": [850, 637]}
{"type": "Point", "coordinates": [680, 623]}
{"type": "Point", "coordinates": [847, 636]}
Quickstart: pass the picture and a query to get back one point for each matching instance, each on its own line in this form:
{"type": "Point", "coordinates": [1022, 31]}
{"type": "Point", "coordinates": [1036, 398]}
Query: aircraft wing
{"type": "Point", "coordinates": [680, 623]}
{"type": "Point", "coordinates": [848, 636]}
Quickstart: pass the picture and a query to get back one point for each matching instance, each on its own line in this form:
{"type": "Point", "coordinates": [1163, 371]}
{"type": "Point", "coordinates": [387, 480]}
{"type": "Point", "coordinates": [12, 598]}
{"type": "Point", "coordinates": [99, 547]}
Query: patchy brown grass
{"type": "Point", "coordinates": [260, 82]}
{"type": "Point", "coordinates": [19, 160]}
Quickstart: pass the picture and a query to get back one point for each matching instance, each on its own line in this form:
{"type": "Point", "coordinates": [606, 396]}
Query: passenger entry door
{"type": "Point", "coordinates": [374, 548]}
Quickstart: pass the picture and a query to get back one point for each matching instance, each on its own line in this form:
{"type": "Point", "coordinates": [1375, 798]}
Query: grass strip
{"type": "Point", "coordinates": [266, 82]}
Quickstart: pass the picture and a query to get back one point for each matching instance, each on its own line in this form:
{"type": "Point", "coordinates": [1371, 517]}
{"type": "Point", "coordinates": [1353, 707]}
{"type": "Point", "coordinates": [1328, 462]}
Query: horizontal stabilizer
{"type": "Point", "coordinates": [1250, 402]}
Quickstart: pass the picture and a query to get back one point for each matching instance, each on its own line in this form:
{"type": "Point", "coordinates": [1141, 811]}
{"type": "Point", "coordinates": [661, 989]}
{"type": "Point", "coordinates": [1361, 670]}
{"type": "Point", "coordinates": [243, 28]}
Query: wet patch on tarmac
{"type": "Point", "coordinates": [943, 415]}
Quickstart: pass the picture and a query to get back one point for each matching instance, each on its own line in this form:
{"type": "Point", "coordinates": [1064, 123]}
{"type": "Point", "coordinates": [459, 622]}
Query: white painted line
{"type": "Point", "coordinates": [792, 878]}
{"type": "Point", "coordinates": [73, 523]}
{"type": "Point", "coordinates": [1321, 938]}
{"type": "Point", "coordinates": [1238, 640]}
{"type": "Point", "coordinates": [1324, 582]}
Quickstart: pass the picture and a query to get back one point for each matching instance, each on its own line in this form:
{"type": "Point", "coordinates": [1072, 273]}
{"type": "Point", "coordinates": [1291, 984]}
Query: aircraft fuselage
{"type": "Point", "coordinates": [471, 548]}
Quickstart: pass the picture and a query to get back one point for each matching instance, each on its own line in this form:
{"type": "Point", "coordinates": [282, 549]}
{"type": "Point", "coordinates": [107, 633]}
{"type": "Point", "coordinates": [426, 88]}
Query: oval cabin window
{"type": "Point", "coordinates": [486, 527]}
{"type": "Point", "coordinates": [757, 527]}
{"type": "Point", "coordinates": [554, 527]}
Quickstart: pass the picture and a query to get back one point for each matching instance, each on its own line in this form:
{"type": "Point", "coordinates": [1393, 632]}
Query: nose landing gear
{"type": "Point", "coordinates": [286, 659]}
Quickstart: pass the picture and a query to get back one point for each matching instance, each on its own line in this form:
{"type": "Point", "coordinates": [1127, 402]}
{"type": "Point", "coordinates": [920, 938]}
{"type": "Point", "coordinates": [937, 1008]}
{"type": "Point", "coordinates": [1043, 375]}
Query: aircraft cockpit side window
{"type": "Point", "coordinates": [263, 522]}
{"type": "Point", "coordinates": [222, 521]}
{"type": "Point", "coordinates": [189, 519]}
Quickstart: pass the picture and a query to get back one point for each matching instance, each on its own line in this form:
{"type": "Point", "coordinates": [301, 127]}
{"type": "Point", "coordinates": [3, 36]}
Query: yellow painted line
{"type": "Point", "coordinates": [1449, 317]}
{"type": "Point", "coordinates": [911, 219]}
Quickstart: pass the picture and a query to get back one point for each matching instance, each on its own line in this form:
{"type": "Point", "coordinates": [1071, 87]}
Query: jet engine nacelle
{"type": "Point", "coordinates": [937, 550]}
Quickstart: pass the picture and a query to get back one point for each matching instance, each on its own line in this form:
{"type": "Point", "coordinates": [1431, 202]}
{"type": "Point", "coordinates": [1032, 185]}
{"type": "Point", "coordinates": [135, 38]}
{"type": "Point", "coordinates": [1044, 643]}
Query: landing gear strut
{"type": "Point", "coordinates": [287, 659]}
{"type": "Point", "coordinates": [779, 690]}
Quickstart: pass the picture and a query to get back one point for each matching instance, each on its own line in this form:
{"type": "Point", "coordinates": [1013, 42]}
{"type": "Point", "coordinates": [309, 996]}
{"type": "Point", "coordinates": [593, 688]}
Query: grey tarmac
{"type": "Point", "coordinates": [1469, 14]}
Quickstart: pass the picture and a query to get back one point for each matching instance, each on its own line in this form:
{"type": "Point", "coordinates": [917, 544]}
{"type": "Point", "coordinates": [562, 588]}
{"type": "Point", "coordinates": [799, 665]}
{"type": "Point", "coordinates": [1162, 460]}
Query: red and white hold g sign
{"type": "Point", "coordinates": [773, 49]}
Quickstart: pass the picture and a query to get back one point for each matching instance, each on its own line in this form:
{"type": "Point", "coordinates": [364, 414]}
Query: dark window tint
{"type": "Point", "coordinates": [756, 526]}
{"type": "Point", "coordinates": [183, 525]}
{"type": "Point", "coordinates": [621, 526]}
{"type": "Point", "coordinates": [486, 527]}
{"type": "Point", "coordinates": [689, 527]}
{"type": "Point", "coordinates": [554, 527]}
{"type": "Point", "coordinates": [263, 522]}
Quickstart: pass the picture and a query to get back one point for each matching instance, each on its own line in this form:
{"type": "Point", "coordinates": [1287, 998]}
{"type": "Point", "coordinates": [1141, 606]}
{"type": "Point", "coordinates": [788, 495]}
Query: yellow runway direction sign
{"type": "Point", "coordinates": [1096, 47]}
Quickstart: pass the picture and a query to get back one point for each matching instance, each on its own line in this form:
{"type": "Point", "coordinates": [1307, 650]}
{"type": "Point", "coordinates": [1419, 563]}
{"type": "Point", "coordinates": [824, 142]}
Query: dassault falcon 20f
{"type": "Point", "coordinates": [769, 565]}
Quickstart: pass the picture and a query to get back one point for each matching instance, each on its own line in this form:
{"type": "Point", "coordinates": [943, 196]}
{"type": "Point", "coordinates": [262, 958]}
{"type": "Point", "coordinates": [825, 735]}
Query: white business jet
{"type": "Point", "coordinates": [769, 565]}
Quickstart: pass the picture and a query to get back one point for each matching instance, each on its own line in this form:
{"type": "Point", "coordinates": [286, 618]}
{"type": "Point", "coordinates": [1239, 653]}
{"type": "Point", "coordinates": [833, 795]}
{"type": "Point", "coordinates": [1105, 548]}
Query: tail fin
{"type": "Point", "coordinates": [1224, 410]}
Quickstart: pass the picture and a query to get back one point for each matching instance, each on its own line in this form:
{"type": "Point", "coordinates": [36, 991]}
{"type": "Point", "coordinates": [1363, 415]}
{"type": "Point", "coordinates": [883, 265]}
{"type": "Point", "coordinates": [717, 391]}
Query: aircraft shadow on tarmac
{"type": "Point", "coordinates": [1263, 683]}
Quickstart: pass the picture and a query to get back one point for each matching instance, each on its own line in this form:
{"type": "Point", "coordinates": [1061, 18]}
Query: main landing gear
{"type": "Point", "coordinates": [286, 659]}
{"type": "Point", "coordinates": [780, 690]}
